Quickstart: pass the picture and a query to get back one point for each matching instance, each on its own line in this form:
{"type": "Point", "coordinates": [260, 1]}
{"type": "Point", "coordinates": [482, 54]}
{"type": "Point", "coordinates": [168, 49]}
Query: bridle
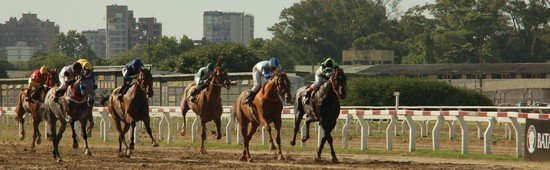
{"type": "Point", "coordinates": [220, 77]}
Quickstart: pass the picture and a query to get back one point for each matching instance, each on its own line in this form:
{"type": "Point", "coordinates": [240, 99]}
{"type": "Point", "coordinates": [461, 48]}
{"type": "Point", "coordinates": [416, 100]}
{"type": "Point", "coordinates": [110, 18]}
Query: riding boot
{"type": "Point", "coordinates": [122, 91]}
{"type": "Point", "coordinates": [250, 97]}
{"type": "Point", "coordinates": [309, 91]}
{"type": "Point", "coordinates": [28, 97]}
{"type": "Point", "coordinates": [193, 94]}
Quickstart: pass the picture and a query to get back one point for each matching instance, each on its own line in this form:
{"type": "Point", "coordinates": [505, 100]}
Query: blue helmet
{"type": "Point", "coordinates": [274, 63]}
{"type": "Point", "coordinates": [136, 63]}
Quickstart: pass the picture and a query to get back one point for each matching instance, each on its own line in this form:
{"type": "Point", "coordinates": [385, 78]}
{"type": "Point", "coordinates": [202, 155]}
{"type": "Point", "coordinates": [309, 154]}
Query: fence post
{"type": "Point", "coordinates": [435, 133]}
{"type": "Point", "coordinates": [464, 127]}
{"type": "Point", "coordinates": [488, 136]}
{"type": "Point", "coordinates": [479, 129]}
{"type": "Point", "coordinates": [452, 129]}
{"type": "Point", "coordinates": [519, 139]}
{"type": "Point", "coordinates": [229, 127]}
{"type": "Point", "coordinates": [239, 134]}
{"type": "Point", "coordinates": [195, 129]}
{"type": "Point", "coordinates": [412, 133]}
{"type": "Point", "coordinates": [364, 131]}
{"type": "Point", "coordinates": [264, 135]}
{"type": "Point", "coordinates": [137, 132]}
{"type": "Point", "coordinates": [105, 124]}
{"type": "Point", "coordinates": [345, 133]}
{"type": "Point", "coordinates": [161, 123]}
{"type": "Point", "coordinates": [389, 135]}
{"type": "Point", "coordinates": [303, 131]}
{"type": "Point", "coordinates": [169, 125]}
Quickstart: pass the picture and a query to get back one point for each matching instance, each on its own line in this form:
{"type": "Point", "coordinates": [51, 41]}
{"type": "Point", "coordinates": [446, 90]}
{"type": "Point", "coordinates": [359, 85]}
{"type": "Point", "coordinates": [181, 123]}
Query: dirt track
{"type": "Point", "coordinates": [17, 155]}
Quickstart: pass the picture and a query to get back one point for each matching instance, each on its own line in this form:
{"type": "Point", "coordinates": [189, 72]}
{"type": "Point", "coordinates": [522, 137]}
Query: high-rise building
{"type": "Point", "coordinates": [96, 40]}
{"type": "Point", "coordinates": [21, 52]}
{"type": "Point", "coordinates": [124, 33]}
{"type": "Point", "coordinates": [223, 27]}
{"type": "Point", "coordinates": [29, 28]}
{"type": "Point", "coordinates": [120, 26]}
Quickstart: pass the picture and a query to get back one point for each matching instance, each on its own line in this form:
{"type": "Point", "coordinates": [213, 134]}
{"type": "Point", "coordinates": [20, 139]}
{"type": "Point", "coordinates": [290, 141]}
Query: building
{"type": "Point", "coordinates": [367, 57]}
{"type": "Point", "coordinates": [123, 33]}
{"type": "Point", "coordinates": [97, 41]}
{"type": "Point", "coordinates": [21, 52]}
{"type": "Point", "coordinates": [224, 27]}
{"type": "Point", "coordinates": [120, 29]}
{"type": "Point", "coordinates": [29, 28]}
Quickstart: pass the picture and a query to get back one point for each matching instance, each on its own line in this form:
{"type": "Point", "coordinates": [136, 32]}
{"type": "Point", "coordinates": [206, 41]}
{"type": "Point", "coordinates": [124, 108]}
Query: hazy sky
{"type": "Point", "coordinates": [178, 17]}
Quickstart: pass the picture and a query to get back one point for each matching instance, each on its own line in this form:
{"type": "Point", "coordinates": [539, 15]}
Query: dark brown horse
{"type": "Point", "coordinates": [35, 107]}
{"type": "Point", "coordinates": [324, 107]}
{"type": "Point", "coordinates": [265, 109]}
{"type": "Point", "coordinates": [69, 108]}
{"type": "Point", "coordinates": [208, 105]}
{"type": "Point", "coordinates": [133, 107]}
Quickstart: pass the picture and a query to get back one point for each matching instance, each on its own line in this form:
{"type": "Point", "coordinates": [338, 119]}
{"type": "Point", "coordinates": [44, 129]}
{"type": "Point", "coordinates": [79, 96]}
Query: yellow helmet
{"type": "Point", "coordinates": [86, 65]}
{"type": "Point", "coordinates": [44, 70]}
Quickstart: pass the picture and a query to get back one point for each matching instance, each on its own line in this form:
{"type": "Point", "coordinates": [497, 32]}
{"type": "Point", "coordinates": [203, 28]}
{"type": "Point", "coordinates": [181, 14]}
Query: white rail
{"type": "Point", "coordinates": [364, 115]}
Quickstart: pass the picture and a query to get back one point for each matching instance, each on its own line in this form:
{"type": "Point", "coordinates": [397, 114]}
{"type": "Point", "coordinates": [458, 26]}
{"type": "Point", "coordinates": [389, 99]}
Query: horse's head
{"type": "Point", "coordinates": [145, 81]}
{"type": "Point", "coordinates": [52, 79]}
{"type": "Point", "coordinates": [283, 85]}
{"type": "Point", "coordinates": [220, 78]}
{"type": "Point", "coordinates": [338, 82]}
{"type": "Point", "coordinates": [86, 87]}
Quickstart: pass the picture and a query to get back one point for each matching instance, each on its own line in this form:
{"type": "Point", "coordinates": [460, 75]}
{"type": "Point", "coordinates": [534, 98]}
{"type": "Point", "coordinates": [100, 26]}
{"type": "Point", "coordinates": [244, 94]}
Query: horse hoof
{"type": "Point", "coordinates": [334, 160]}
{"type": "Point", "coordinates": [131, 147]}
{"type": "Point", "coordinates": [318, 159]}
{"type": "Point", "coordinates": [155, 144]}
{"type": "Point", "coordinates": [182, 133]}
{"type": "Point", "coordinates": [21, 137]}
{"type": "Point", "coordinates": [250, 160]}
{"type": "Point", "coordinates": [75, 145]}
{"type": "Point", "coordinates": [38, 141]}
{"type": "Point", "coordinates": [243, 159]}
{"type": "Point", "coordinates": [121, 155]}
{"type": "Point", "coordinates": [59, 160]}
{"type": "Point", "coordinates": [88, 152]}
{"type": "Point", "coordinates": [280, 157]}
{"type": "Point", "coordinates": [273, 147]}
{"type": "Point", "coordinates": [292, 143]}
{"type": "Point", "coordinates": [304, 140]}
{"type": "Point", "coordinates": [128, 153]}
{"type": "Point", "coordinates": [202, 151]}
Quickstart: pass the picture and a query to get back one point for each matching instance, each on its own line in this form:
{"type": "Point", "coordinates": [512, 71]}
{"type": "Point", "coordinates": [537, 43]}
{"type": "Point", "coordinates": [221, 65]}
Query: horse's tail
{"type": "Point", "coordinates": [104, 100]}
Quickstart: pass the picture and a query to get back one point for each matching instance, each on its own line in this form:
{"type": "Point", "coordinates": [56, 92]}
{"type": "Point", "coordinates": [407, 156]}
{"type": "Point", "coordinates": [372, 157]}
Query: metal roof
{"type": "Point", "coordinates": [347, 68]}
{"type": "Point", "coordinates": [488, 68]}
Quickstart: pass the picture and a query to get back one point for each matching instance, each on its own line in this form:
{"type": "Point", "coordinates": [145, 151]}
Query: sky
{"type": "Point", "coordinates": [178, 17]}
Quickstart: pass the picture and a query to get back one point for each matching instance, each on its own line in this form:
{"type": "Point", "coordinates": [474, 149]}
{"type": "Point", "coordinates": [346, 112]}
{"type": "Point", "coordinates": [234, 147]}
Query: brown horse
{"type": "Point", "coordinates": [133, 107]}
{"type": "Point", "coordinates": [208, 105]}
{"type": "Point", "coordinates": [69, 108]}
{"type": "Point", "coordinates": [324, 107]}
{"type": "Point", "coordinates": [265, 109]}
{"type": "Point", "coordinates": [35, 107]}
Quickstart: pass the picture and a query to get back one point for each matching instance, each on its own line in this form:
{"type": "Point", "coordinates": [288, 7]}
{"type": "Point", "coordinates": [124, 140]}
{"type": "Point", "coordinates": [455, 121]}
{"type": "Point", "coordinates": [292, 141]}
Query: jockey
{"type": "Point", "coordinates": [261, 71]}
{"type": "Point", "coordinates": [67, 77]}
{"type": "Point", "coordinates": [129, 72]}
{"type": "Point", "coordinates": [201, 80]}
{"type": "Point", "coordinates": [37, 80]}
{"type": "Point", "coordinates": [87, 68]}
{"type": "Point", "coordinates": [321, 76]}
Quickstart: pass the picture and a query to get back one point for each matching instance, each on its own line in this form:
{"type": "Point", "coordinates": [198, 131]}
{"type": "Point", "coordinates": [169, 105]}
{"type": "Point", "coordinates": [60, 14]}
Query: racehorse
{"type": "Point", "coordinates": [208, 104]}
{"type": "Point", "coordinates": [35, 107]}
{"type": "Point", "coordinates": [265, 109]}
{"type": "Point", "coordinates": [324, 106]}
{"type": "Point", "coordinates": [69, 108]}
{"type": "Point", "coordinates": [133, 107]}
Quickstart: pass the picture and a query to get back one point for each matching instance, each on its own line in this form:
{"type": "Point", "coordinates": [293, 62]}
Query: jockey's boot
{"type": "Point", "coordinates": [59, 92]}
{"type": "Point", "coordinates": [250, 97]}
{"type": "Point", "coordinates": [122, 91]}
{"type": "Point", "coordinates": [193, 94]}
{"type": "Point", "coordinates": [308, 95]}
{"type": "Point", "coordinates": [28, 96]}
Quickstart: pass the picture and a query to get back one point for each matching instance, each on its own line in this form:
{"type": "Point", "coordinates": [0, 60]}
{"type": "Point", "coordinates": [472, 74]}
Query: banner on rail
{"type": "Point", "coordinates": [537, 140]}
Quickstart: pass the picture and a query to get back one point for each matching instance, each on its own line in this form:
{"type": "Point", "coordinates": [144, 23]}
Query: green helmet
{"type": "Point", "coordinates": [330, 63]}
{"type": "Point", "coordinates": [210, 66]}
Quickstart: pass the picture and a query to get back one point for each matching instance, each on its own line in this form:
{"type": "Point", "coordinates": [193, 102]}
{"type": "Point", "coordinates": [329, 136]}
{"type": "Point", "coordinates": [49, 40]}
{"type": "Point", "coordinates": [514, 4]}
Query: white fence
{"type": "Point", "coordinates": [364, 116]}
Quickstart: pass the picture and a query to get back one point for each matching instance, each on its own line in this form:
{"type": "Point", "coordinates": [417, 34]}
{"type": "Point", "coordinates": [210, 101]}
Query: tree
{"type": "Point", "coordinates": [236, 58]}
{"type": "Point", "coordinates": [72, 44]}
{"type": "Point", "coordinates": [165, 47]}
{"type": "Point", "coordinates": [5, 65]}
{"type": "Point", "coordinates": [186, 44]}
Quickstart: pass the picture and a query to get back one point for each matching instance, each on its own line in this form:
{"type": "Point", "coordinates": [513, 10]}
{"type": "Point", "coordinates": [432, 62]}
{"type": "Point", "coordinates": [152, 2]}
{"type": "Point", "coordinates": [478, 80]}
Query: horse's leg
{"type": "Point", "coordinates": [123, 137]}
{"type": "Point", "coordinates": [323, 140]}
{"type": "Point", "coordinates": [21, 121]}
{"type": "Point", "coordinates": [244, 132]}
{"type": "Point", "coordinates": [36, 133]}
{"type": "Point", "coordinates": [132, 137]}
{"type": "Point", "coordinates": [251, 132]}
{"type": "Point", "coordinates": [148, 128]}
{"type": "Point", "coordinates": [83, 123]}
{"type": "Point", "coordinates": [51, 124]}
{"type": "Point", "coordinates": [328, 136]}
{"type": "Point", "coordinates": [75, 142]}
{"type": "Point", "coordinates": [20, 112]}
{"type": "Point", "coordinates": [309, 119]}
{"type": "Point", "coordinates": [90, 118]}
{"type": "Point", "coordinates": [218, 123]}
{"type": "Point", "coordinates": [278, 139]}
{"type": "Point", "coordinates": [203, 135]}
{"type": "Point", "coordinates": [297, 121]}
{"type": "Point", "coordinates": [58, 139]}
{"type": "Point", "coordinates": [120, 137]}
{"type": "Point", "coordinates": [270, 137]}
{"type": "Point", "coordinates": [184, 110]}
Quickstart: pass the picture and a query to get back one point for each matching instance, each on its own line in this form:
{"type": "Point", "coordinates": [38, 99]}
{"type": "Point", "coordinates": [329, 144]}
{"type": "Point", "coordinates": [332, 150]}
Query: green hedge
{"type": "Point", "coordinates": [413, 92]}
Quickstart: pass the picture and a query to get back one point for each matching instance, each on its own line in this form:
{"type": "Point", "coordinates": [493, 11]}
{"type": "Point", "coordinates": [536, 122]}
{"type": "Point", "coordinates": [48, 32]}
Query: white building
{"type": "Point", "coordinates": [224, 27]}
{"type": "Point", "coordinates": [21, 52]}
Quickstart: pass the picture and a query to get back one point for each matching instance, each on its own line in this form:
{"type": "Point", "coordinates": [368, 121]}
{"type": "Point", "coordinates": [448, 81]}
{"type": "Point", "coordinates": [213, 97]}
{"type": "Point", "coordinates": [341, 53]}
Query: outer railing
{"type": "Point", "coordinates": [364, 116]}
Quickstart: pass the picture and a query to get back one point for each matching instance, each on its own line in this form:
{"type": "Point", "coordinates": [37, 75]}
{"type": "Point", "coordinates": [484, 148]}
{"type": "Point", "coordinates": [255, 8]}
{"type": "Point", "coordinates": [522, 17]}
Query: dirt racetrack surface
{"type": "Point", "coordinates": [18, 156]}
